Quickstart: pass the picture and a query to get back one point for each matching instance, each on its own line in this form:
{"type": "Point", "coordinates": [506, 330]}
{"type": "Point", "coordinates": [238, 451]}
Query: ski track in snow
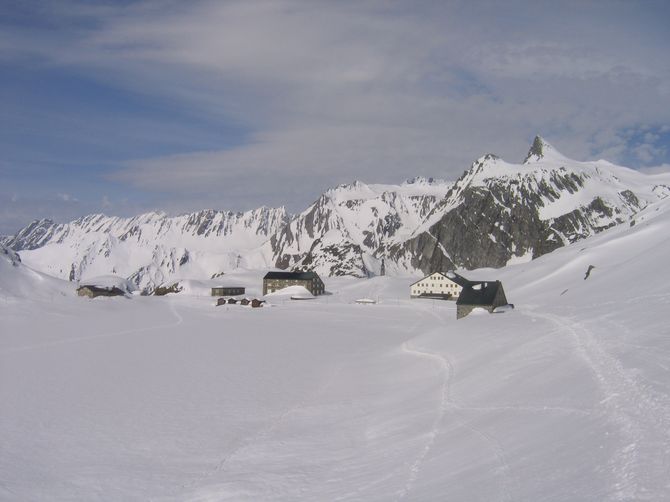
{"type": "Point", "coordinates": [446, 404]}
{"type": "Point", "coordinates": [640, 416]}
{"type": "Point", "coordinates": [65, 341]}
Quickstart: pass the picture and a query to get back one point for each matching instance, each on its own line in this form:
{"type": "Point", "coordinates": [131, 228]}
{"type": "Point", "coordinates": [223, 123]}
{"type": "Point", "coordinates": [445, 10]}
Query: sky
{"type": "Point", "coordinates": [123, 107]}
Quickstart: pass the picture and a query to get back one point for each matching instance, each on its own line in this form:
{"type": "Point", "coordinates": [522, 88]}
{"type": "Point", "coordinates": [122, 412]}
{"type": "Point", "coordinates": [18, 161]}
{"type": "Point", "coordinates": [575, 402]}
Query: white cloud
{"type": "Point", "coordinates": [381, 91]}
{"type": "Point", "coordinates": [66, 197]}
{"type": "Point", "coordinates": [663, 168]}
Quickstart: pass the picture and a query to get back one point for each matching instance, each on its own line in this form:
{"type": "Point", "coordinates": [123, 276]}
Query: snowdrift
{"type": "Point", "coordinates": [19, 281]}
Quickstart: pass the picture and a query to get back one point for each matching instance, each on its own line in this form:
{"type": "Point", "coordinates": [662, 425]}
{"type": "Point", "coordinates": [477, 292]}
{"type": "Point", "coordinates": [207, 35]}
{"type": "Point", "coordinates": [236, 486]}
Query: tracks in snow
{"type": "Point", "coordinates": [641, 416]}
{"type": "Point", "coordinates": [446, 405]}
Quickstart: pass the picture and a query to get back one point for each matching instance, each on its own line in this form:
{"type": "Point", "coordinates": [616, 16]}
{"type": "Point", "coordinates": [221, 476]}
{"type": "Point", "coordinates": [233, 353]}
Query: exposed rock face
{"type": "Point", "coordinates": [10, 255]}
{"type": "Point", "coordinates": [497, 212]}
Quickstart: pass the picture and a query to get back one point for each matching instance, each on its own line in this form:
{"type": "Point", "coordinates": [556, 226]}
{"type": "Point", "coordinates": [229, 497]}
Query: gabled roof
{"type": "Point", "coordinates": [451, 275]}
{"type": "Point", "coordinates": [479, 293]}
{"type": "Point", "coordinates": [294, 276]}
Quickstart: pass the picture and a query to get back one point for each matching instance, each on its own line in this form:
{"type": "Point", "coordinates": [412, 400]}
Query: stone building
{"type": "Point", "coordinates": [274, 281]}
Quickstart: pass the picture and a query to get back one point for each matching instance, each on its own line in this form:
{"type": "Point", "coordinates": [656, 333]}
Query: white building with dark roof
{"type": "Point", "coordinates": [446, 285]}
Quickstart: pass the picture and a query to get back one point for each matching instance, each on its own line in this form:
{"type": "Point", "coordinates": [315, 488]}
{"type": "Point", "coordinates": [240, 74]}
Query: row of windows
{"type": "Point", "coordinates": [432, 285]}
{"type": "Point", "coordinates": [430, 292]}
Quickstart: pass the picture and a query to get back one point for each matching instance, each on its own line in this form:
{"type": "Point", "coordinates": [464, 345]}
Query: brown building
{"type": "Point", "coordinates": [274, 281]}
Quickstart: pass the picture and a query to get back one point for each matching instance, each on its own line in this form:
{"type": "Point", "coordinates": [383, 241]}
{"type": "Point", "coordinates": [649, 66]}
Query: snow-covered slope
{"type": "Point", "coordinates": [567, 397]}
{"type": "Point", "coordinates": [151, 248]}
{"type": "Point", "coordinates": [342, 232]}
{"type": "Point", "coordinates": [19, 282]}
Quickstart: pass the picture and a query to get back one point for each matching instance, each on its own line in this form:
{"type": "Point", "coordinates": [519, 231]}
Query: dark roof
{"type": "Point", "coordinates": [458, 279]}
{"type": "Point", "coordinates": [451, 275]}
{"type": "Point", "coordinates": [101, 289]}
{"type": "Point", "coordinates": [295, 276]}
{"type": "Point", "coordinates": [479, 293]}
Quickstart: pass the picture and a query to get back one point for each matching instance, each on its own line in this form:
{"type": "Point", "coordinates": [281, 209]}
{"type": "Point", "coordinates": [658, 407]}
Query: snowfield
{"type": "Point", "coordinates": [566, 397]}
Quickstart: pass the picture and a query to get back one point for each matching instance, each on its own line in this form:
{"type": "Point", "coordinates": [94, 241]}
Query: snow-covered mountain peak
{"type": "Point", "coordinates": [495, 212]}
{"type": "Point", "coordinates": [350, 191]}
{"type": "Point", "coordinates": [542, 150]}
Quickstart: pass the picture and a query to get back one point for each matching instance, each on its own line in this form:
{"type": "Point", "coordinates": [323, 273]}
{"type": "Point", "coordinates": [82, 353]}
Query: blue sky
{"type": "Point", "coordinates": [124, 107]}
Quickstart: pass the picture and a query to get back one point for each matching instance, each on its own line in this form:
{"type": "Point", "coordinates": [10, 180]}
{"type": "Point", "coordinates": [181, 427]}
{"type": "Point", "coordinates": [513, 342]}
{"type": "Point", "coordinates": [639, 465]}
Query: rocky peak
{"type": "Point", "coordinates": [419, 180]}
{"type": "Point", "coordinates": [541, 149]}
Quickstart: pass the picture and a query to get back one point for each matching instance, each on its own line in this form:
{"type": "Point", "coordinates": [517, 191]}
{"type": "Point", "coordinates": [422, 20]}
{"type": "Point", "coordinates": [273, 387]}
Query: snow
{"type": "Point", "coordinates": [524, 258]}
{"type": "Point", "coordinates": [157, 248]}
{"type": "Point", "coordinates": [365, 301]}
{"type": "Point", "coordinates": [294, 291]}
{"type": "Point", "coordinates": [566, 397]}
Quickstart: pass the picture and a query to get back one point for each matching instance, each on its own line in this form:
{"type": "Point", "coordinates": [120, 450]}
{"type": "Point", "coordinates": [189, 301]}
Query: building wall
{"type": "Point", "coordinates": [95, 292]}
{"type": "Point", "coordinates": [435, 283]}
{"type": "Point", "coordinates": [227, 291]}
{"type": "Point", "coordinates": [314, 286]}
{"type": "Point", "coordinates": [85, 292]}
{"type": "Point", "coordinates": [498, 300]}
{"type": "Point", "coordinates": [463, 310]}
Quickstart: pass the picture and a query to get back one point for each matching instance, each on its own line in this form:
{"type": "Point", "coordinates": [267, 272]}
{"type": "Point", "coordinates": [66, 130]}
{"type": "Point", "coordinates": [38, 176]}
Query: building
{"type": "Point", "coordinates": [480, 294]}
{"type": "Point", "coordinates": [94, 291]}
{"type": "Point", "coordinates": [228, 291]}
{"type": "Point", "coordinates": [274, 281]}
{"type": "Point", "coordinates": [446, 286]}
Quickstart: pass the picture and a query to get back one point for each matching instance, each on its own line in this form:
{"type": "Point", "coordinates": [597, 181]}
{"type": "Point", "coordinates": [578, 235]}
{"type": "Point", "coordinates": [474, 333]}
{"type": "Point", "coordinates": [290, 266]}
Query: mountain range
{"type": "Point", "coordinates": [496, 213]}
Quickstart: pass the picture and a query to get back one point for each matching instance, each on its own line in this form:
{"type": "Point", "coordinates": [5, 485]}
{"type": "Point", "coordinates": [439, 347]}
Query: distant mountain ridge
{"type": "Point", "coordinates": [494, 214]}
{"type": "Point", "coordinates": [151, 248]}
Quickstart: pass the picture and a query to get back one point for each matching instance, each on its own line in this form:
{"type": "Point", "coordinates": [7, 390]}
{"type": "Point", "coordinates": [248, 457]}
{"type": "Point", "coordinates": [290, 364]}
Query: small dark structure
{"type": "Point", "coordinates": [274, 281]}
{"type": "Point", "coordinates": [232, 301]}
{"type": "Point", "coordinates": [480, 294]}
{"type": "Point", "coordinates": [164, 290]}
{"type": "Point", "coordinates": [221, 301]}
{"type": "Point", "coordinates": [228, 291]}
{"type": "Point", "coordinates": [255, 303]}
{"type": "Point", "coordinates": [95, 291]}
{"type": "Point", "coordinates": [244, 301]}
